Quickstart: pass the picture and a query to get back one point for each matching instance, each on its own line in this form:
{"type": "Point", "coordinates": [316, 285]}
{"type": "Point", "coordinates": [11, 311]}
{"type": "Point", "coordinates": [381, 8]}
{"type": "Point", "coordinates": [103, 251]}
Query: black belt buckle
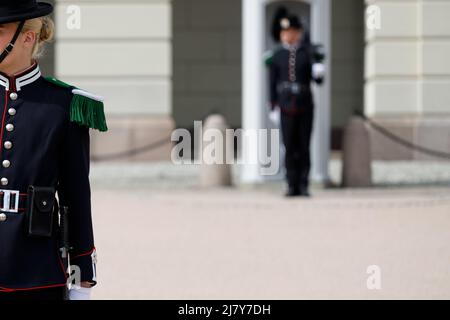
{"type": "Point", "coordinates": [40, 211]}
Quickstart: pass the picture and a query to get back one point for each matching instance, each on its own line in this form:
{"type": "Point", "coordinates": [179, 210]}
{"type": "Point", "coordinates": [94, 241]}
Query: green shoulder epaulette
{"type": "Point", "coordinates": [85, 108]}
{"type": "Point", "coordinates": [268, 57]}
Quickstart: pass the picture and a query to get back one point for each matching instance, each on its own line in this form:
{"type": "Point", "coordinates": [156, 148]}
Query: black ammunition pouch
{"type": "Point", "coordinates": [41, 211]}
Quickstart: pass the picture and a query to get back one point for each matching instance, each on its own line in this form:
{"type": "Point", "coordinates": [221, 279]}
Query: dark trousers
{"type": "Point", "coordinates": [53, 294]}
{"type": "Point", "coordinates": [296, 131]}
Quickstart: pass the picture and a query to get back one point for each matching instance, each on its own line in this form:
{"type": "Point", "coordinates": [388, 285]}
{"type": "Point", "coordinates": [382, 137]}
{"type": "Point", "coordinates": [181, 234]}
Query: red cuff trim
{"type": "Point", "coordinates": [84, 254]}
{"type": "Point", "coordinates": [2, 289]}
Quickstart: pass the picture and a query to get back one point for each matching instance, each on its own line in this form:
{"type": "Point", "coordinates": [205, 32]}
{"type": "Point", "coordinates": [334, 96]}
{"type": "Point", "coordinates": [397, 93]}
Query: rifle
{"type": "Point", "coordinates": [64, 243]}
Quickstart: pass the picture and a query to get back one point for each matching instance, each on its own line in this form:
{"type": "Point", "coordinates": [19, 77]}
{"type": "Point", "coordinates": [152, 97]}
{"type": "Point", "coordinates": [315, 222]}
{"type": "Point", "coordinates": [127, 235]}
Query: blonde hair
{"type": "Point", "coordinates": [44, 27]}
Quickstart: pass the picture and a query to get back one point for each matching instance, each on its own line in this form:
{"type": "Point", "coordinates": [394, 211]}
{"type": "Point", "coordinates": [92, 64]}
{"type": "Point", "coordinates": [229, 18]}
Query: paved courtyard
{"type": "Point", "coordinates": [179, 241]}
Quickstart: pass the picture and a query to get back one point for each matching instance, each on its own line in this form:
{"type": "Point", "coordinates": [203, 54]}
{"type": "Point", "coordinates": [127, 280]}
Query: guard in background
{"type": "Point", "coordinates": [44, 151]}
{"type": "Point", "coordinates": [293, 65]}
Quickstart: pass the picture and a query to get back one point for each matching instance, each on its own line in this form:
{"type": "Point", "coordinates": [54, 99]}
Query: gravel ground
{"type": "Point", "coordinates": [160, 236]}
{"type": "Point", "coordinates": [165, 175]}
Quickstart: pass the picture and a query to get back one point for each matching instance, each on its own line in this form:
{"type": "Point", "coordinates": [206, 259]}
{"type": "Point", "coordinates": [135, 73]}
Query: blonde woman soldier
{"type": "Point", "coordinates": [44, 165]}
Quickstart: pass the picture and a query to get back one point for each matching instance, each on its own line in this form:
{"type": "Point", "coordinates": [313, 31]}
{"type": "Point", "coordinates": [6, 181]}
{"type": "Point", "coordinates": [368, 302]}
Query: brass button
{"type": "Point", "coordinates": [13, 96]}
{"type": "Point", "coordinates": [4, 181]}
{"type": "Point", "coordinates": [3, 217]}
{"type": "Point", "coordinates": [9, 127]}
{"type": "Point", "coordinates": [8, 145]}
{"type": "Point", "coordinates": [12, 111]}
{"type": "Point", "coordinates": [6, 163]}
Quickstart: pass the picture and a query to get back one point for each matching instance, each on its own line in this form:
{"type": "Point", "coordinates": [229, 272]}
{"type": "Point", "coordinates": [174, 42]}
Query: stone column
{"type": "Point", "coordinates": [215, 168]}
{"type": "Point", "coordinates": [252, 89]}
{"type": "Point", "coordinates": [321, 145]}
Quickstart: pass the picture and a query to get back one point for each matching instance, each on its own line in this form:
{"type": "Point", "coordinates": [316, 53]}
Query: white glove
{"type": "Point", "coordinates": [318, 70]}
{"type": "Point", "coordinates": [79, 293]}
{"type": "Point", "coordinates": [274, 116]}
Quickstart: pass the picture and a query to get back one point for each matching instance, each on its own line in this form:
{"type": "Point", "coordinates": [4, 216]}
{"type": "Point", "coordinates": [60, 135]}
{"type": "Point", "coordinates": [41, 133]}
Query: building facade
{"type": "Point", "coordinates": [163, 64]}
{"type": "Point", "coordinates": [407, 76]}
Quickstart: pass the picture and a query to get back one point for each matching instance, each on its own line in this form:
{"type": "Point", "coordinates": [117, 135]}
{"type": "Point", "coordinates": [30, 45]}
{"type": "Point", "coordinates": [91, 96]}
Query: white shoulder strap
{"type": "Point", "coordinates": [88, 95]}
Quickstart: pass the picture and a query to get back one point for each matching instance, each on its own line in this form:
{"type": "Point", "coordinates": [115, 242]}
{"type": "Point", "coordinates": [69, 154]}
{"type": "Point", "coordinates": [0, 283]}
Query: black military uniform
{"type": "Point", "coordinates": [44, 143]}
{"type": "Point", "coordinates": [290, 69]}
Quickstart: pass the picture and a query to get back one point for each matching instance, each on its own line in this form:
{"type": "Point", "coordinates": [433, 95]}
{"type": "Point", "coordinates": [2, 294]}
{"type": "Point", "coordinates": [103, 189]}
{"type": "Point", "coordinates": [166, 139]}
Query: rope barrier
{"type": "Point", "coordinates": [391, 136]}
{"type": "Point", "coordinates": [133, 152]}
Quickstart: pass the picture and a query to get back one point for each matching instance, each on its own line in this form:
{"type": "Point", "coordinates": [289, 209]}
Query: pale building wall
{"type": "Point", "coordinates": [392, 61]}
{"type": "Point", "coordinates": [407, 76]}
{"type": "Point", "coordinates": [123, 51]}
{"type": "Point", "coordinates": [47, 61]}
{"type": "Point", "coordinates": [435, 53]}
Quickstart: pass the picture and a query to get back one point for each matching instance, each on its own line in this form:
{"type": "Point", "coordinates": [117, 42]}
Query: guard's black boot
{"type": "Point", "coordinates": [304, 192]}
{"type": "Point", "coordinates": [292, 192]}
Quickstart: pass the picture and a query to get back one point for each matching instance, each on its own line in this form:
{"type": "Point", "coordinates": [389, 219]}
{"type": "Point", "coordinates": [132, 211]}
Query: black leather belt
{"type": "Point", "coordinates": [292, 87]}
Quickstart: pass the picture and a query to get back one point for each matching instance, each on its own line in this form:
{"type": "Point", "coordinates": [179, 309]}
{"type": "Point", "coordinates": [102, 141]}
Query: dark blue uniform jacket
{"type": "Point", "coordinates": [291, 66]}
{"type": "Point", "coordinates": [40, 145]}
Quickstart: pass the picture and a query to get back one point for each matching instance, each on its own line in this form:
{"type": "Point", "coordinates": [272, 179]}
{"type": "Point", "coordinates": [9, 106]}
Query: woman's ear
{"type": "Point", "coordinates": [29, 39]}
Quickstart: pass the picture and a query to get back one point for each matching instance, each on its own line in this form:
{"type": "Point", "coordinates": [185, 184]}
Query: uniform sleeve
{"type": "Point", "coordinates": [317, 73]}
{"type": "Point", "coordinates": [273, 81]}
{"type": "Point", "coordinates": [317, 69]}
{"type": "Point", "coordinates": [74, 191]}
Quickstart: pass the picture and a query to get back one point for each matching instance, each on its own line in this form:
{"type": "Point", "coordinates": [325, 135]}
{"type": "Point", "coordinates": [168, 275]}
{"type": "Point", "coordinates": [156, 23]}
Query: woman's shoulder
{"type": "Point", "coordinates": [272, 55]}
{"type": "Point", "coordinates": [86, 108]}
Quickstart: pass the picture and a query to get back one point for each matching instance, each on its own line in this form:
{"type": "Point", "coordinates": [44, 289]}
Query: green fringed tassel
{"type": "Point", "coordinates": [88, 112]}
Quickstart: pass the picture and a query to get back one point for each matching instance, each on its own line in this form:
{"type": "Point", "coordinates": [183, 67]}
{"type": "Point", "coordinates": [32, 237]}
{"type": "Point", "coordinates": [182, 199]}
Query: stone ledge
{"type": "Point", "coordinates": [432, 132]}
{"type": "Point", "coordinates": [133, 132]}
